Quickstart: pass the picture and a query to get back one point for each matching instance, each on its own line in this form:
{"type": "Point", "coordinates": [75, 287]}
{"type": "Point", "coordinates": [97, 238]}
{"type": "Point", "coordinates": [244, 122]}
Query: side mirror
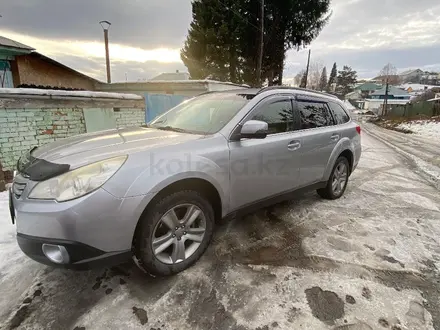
{"type": "Point", "coordinates": [254, 129]}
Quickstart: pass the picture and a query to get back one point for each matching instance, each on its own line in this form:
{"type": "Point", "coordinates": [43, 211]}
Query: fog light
{"type": "Point", "coordinates": [56, 253]}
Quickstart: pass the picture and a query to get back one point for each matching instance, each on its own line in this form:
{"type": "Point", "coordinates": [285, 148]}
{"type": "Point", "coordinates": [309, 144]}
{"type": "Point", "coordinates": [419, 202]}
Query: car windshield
{"type": "Point", "coordinates": [205, 114]}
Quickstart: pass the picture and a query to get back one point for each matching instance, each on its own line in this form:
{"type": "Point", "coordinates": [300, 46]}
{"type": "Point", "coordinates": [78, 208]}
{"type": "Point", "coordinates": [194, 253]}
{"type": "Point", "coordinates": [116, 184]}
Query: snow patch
{"type": "Point", "coordinates": [428, 128]}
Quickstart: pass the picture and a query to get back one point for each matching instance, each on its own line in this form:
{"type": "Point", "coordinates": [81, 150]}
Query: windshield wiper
{"type": "Point", "coordinates": [169, 128]}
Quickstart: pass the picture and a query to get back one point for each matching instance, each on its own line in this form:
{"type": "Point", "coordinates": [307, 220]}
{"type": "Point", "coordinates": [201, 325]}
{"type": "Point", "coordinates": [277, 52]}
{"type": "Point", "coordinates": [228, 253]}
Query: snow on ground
{"type": "Point", "coordinates": [428, 128]}
{"type": "Point", "coordinates": [349, 106]}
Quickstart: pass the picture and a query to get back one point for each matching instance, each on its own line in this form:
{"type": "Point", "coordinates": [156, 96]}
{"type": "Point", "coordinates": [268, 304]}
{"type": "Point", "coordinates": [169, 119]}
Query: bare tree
{"type": "Point", "coordinates": [299, 76]}
{"type": "Point", "coordinates": [388, 75]}
{"type": "Point", "coordinates": [315, 71]}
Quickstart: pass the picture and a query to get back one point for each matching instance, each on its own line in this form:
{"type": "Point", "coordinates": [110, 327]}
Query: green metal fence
{"type": "Point", "coordinates": [422, 108]}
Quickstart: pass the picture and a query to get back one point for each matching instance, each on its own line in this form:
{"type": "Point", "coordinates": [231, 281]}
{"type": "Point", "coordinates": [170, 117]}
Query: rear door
{"type": "Point", "coordinates": [319, 135]}
{"type": "Point", "coordinates": [262, 168]}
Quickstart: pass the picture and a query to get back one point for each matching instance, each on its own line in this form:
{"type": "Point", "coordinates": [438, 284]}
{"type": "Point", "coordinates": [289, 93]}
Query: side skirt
{"type": "Point", "coordinates": [260, 204]}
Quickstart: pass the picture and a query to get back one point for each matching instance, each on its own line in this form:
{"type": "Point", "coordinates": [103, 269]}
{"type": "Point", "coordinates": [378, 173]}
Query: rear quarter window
{"type": "Point", "coordinates": [340, 115]}
{"type": "Point", "coordinates": [314, 114]}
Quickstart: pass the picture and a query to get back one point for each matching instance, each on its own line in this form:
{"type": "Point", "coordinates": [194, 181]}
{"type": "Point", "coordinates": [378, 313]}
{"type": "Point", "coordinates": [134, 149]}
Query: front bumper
{"type": "Point", "coordinates": [81, 256]}
{"type": "Point", "coordinates": [96, 229]}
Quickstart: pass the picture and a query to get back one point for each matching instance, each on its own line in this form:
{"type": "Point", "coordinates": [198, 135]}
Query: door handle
{"type": "Point", "coordinates": [335, 137]}
{"type": "Point", "coordinates": [294, 145]}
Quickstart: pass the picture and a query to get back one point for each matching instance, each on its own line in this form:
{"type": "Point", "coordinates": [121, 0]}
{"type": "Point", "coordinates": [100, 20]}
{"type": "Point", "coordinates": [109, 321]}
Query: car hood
{"type": "Point", "coordinates": [87, 148]}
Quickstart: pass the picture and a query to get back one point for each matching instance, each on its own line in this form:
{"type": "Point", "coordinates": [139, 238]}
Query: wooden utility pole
{"type": "Point", "coordinates": [385, 102]}
{"type": "Point", "coordinates": [260, 53]}
{"type": "Point", "coordinates": [307, 69]}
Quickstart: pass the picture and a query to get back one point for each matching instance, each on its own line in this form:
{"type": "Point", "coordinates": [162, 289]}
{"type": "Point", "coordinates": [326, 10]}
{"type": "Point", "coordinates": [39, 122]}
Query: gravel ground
{"type": "Point", "coordinates": [367, 261]}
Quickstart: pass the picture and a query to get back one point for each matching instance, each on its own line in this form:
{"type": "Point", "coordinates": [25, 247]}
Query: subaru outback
{"type": "Point", "coordinates": [154, 193]}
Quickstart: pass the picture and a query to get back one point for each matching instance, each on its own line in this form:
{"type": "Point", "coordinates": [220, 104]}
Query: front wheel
{"type": "Point", "coordinates": [337, 183]}
{"type": "Point", "coordinates": [174, 233]}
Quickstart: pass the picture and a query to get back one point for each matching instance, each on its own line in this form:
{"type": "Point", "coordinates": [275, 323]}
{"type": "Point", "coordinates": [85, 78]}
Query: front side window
{"type": "Point", "coordinates": [205, 114]}
{"type": "Point", "coordinates": [314, 114]}
{"type": "Point", "coordinates": [278, 115]}
{"type": "Point", "coordinates": [339, 113]}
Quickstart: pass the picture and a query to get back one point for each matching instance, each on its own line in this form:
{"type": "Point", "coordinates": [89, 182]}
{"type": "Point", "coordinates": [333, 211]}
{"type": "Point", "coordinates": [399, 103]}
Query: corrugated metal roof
{"type": "Point", "coordinates": [368, 86]}
{"type": "Point", "coordinates": [391, 91]}
{"type": "Point", "coordinates": [6, 42]}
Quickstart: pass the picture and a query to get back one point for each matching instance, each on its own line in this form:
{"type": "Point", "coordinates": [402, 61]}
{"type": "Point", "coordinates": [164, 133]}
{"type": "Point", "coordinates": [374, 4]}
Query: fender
{"type": "Point", "coordinates": [343, 144]}
{"type": "Point", "coordinates": [165, 169]}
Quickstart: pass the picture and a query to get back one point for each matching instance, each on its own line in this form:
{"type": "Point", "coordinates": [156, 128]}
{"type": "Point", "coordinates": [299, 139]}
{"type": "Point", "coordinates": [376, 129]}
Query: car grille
{"type": "Point", "coordinates": [19, 185]}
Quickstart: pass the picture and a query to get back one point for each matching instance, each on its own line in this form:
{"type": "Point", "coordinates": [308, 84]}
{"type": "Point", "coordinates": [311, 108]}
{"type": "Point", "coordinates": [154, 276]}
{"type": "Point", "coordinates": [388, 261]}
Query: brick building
{"type": "Point", "coordinates": [22, 66]}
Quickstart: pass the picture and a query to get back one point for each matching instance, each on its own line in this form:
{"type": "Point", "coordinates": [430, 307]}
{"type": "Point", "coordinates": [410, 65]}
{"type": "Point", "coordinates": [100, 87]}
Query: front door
{"type": "Point", "coordinates": [320, 137]}
{"type": "Point", "coordinates": [262, 168]}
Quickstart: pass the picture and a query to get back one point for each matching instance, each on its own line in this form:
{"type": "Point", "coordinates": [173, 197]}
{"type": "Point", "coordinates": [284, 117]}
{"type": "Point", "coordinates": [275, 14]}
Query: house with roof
{"type": "Point", "coordinates": [367, 88]}
{"type": "Point", "coordinates": [396, 96]}
{"type": "Point", "coordinates": [412, 75]}
{"type": "Point", "coordinates": [9, 51]}
{"type": "Point", "coordinates": [22, 66]}
{"type": "Point", "coordinates": [172, 76]}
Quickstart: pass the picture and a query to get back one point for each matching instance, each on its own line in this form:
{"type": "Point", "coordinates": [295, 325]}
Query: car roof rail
{"type": "Point", "coordinates": [265, 89]}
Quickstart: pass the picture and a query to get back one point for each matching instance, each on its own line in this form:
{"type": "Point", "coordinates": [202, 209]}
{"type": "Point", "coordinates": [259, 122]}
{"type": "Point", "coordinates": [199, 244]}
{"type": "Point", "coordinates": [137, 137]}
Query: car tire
{"type": "Point", "coordinates": [153, 220]}
{"type": "Point", "coordinates": [329, 192]}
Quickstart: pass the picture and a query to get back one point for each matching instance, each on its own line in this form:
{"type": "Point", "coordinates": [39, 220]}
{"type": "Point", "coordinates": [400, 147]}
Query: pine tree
{"type": "Point", "coordinates": [332, 78]}
{"type": "Point", "coordinates": [210, 48]}
{"type": "Point", "coordinates": [323, 80]}
{"type": "Point", "coordinates": [346, 80]}
{"type": "Point", "coordinates": [223, 37]}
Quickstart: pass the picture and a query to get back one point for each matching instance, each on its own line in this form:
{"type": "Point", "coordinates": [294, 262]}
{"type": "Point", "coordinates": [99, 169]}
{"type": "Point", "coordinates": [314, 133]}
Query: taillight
{"type": "Point", "coordinates": [358, 129]}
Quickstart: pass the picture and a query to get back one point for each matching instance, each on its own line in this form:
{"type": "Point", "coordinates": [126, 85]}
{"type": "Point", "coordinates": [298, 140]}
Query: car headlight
{"type": "Point", "coordinates": [78, 182]}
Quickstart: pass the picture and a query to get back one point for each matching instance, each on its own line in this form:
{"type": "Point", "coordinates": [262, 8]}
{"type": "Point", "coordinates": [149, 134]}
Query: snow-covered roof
{"type": "Point", "coordinates": [416, 87]}
{"type": "Point", "coordinates": [31, 92]}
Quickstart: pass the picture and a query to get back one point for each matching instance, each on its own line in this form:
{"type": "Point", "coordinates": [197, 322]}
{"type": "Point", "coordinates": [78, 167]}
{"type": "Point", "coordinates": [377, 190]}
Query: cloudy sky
{"type": "Point", "coordinates": [146, 35]}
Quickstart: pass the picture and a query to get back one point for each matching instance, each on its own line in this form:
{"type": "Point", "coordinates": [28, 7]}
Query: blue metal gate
{"type": "Point", "coordinates": [157, 104]}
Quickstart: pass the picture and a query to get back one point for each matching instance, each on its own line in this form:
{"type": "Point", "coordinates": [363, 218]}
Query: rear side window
{"type": "Point", "coordinates": [339, 113]}
{"type": "Point", "coordinates": [314, 114]}
{"type": "Point", "coordinates": [278, 115]}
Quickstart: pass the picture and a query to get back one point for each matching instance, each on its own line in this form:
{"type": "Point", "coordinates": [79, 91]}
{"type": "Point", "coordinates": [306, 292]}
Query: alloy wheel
{"type": "Point", "coordinates": [178, 234]}
{"type": "Point", "coordinates": [340, 177]}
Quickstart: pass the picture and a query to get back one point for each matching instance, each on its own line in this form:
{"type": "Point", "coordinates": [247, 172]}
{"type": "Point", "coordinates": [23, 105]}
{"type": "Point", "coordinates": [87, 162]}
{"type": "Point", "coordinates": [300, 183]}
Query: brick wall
{"type": "Point", "coordinates": [37, 71]}
{"type": "Point", "coordinates": [21, 129]}
{"type": "Point", "coordinates": [129, 117]}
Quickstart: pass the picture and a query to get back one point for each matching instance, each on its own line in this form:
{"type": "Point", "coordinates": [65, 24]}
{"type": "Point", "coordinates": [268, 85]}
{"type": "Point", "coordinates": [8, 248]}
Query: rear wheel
{"type": "Point", "coordinates": [337, 183]}
{"type": "Point", "coordinates": [174, 233]}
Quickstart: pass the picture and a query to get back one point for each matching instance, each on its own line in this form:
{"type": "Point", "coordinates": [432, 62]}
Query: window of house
{"type": "Point", "coordinates": [278, 115]}
{"type": "Point", "coordinates": [314, 114]}
{"type": "Point", "coordinates": [339, 113]}
{"type": "Point", "coordinates": [5, 75]}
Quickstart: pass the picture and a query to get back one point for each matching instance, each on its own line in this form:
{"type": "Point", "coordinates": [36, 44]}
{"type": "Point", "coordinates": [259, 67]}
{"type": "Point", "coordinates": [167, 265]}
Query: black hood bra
{"type": "Point", "coordinates": [37, 169]}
